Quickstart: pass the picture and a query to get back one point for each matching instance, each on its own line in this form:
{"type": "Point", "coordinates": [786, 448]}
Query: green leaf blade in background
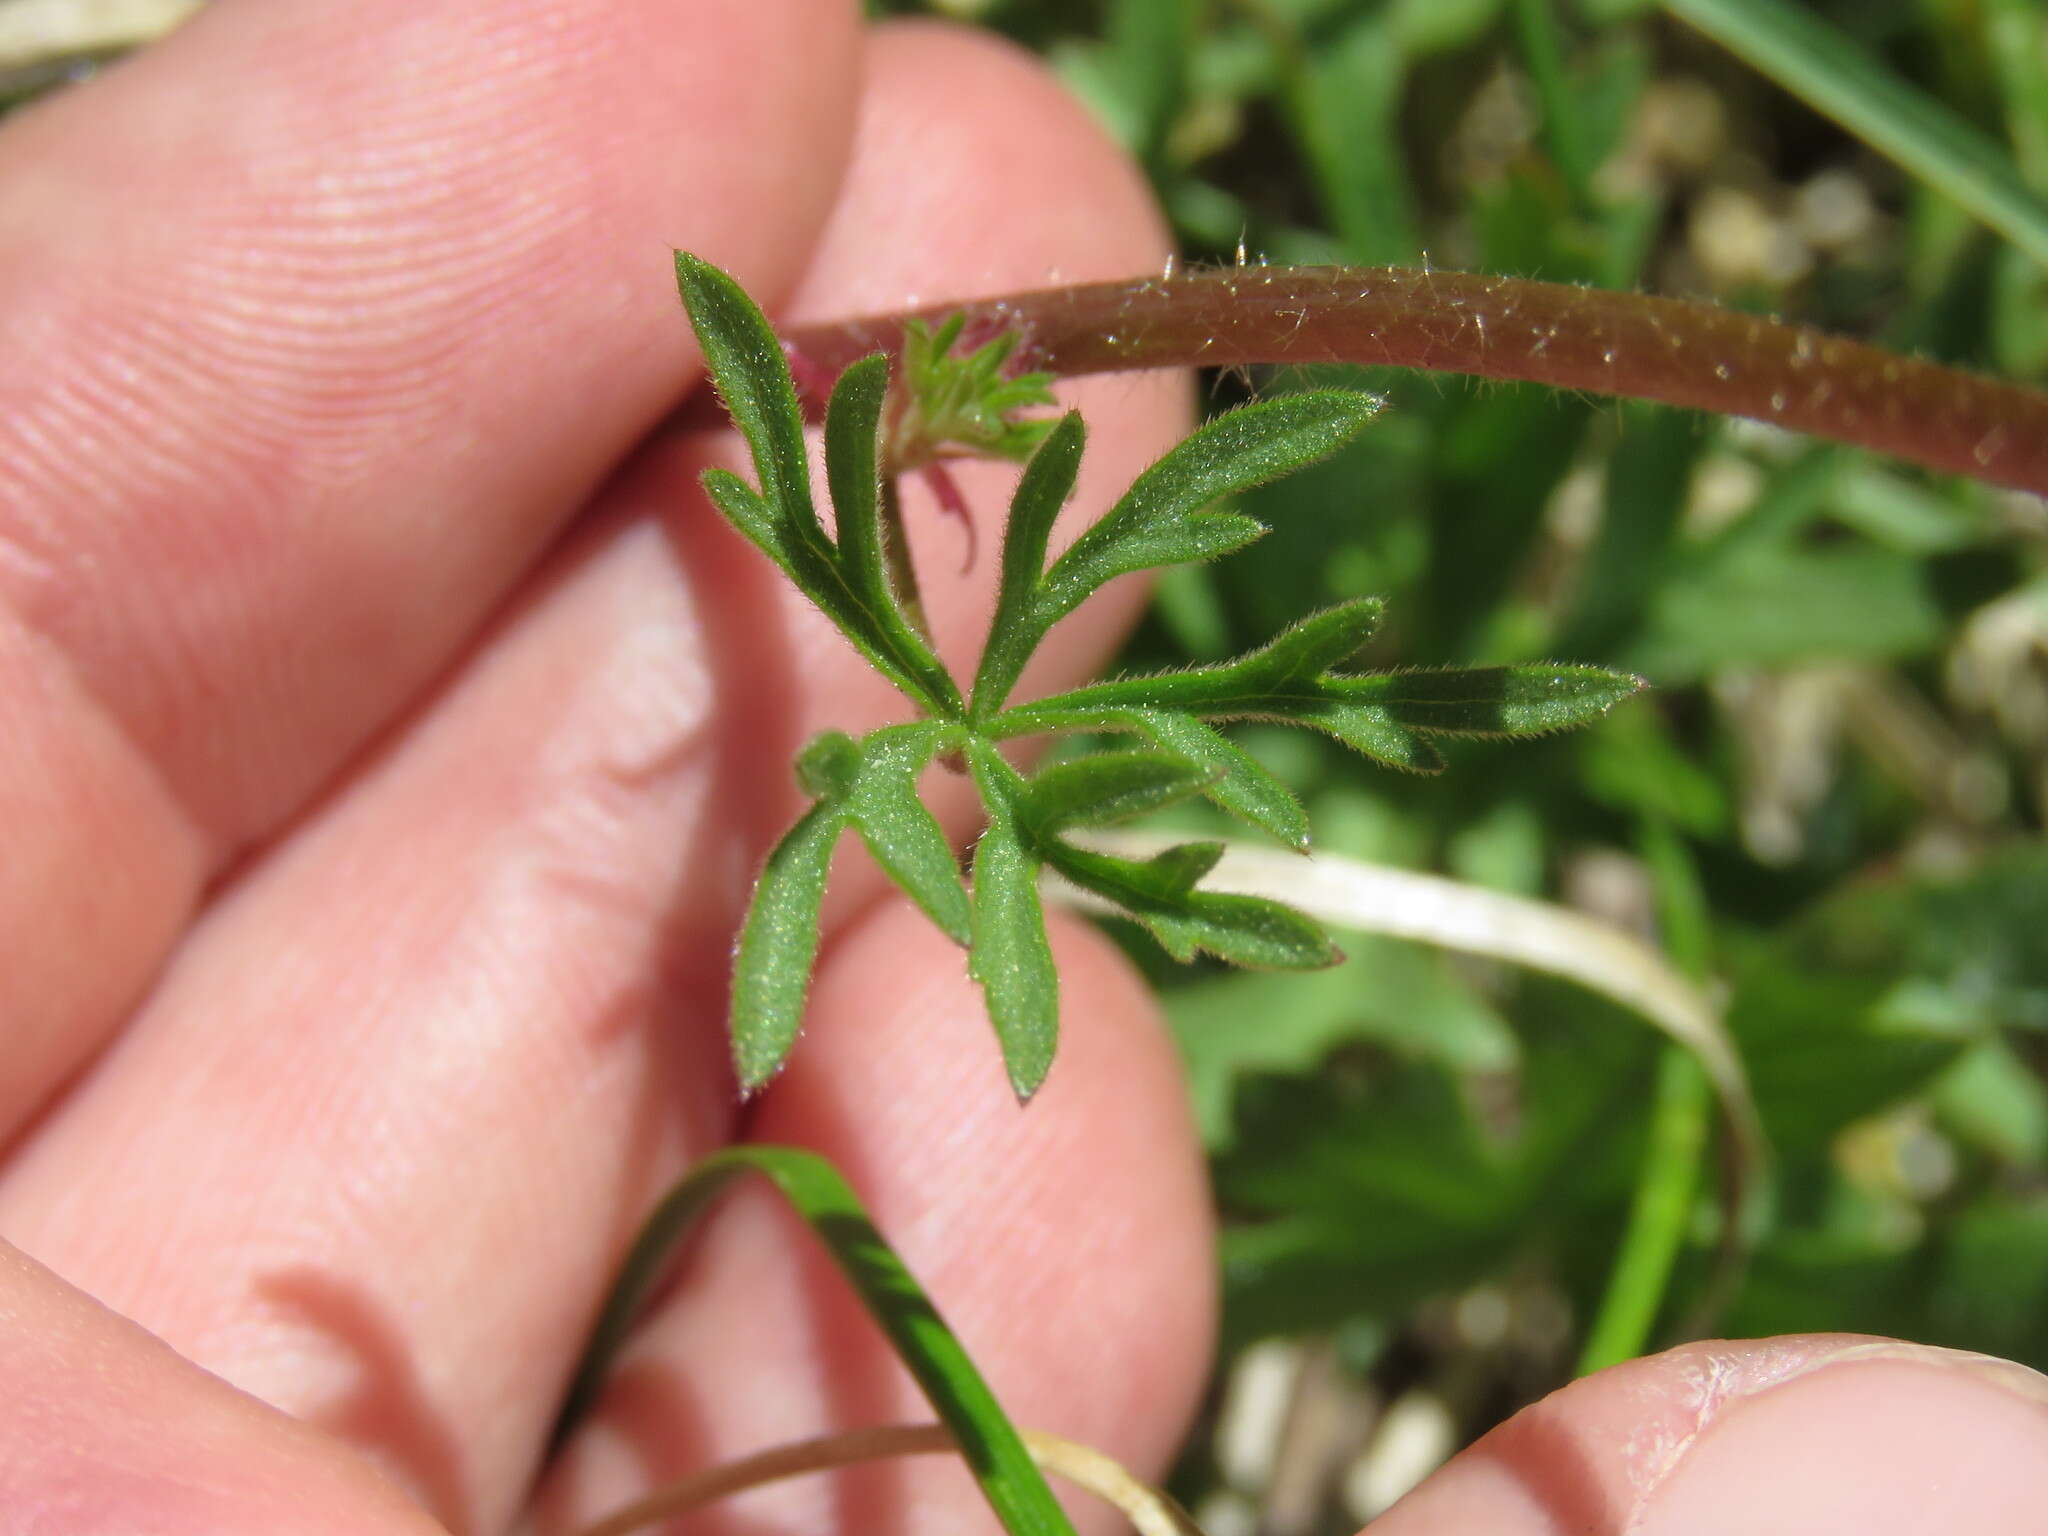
{"type": "Point", "coordinates": [1344, 101]}
{"type": "Point", "coordinates": [1564, 128]}
{"type": "Point", "coordinates": [1832, 75]}
{"type": "Point", "coordinates": [994, 1452]}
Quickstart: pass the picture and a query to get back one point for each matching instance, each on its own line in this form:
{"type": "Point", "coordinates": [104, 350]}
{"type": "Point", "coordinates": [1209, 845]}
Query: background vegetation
{"type": "Point", "coordinates": [1829, 811]}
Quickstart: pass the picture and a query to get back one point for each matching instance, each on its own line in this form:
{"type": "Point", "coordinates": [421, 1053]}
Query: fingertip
{"type": "Point", "coordinates": [1883, 1445]}
{"type": "Point", "coordinates": [1798, 1434]}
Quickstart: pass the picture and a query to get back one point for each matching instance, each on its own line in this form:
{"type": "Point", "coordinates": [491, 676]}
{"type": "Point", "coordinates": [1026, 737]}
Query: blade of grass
{"type": "Point", "coordinates": [1564, 125]}
{"type": "Point", "coordinates": [994, 1452]}
{"type": "Point", "coordinates": [1149, 42]}
{"type": "Point", "coordinates": [1832, 75]}
{"type": "Point", "coordinates": [1659, 1213]}
{"type": "Point", "coordinates": [2012, 36]}
{"type": "Point", "coordinates": [1680, 1129]}
{"type": "Point", "coordinates": [1342, 102]}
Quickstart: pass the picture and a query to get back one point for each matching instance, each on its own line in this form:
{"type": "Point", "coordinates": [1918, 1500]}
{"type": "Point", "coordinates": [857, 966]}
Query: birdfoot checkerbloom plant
{"type": "Point", "coordinates": [861, 581]}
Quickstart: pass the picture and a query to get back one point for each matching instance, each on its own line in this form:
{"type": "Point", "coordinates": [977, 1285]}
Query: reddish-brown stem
{"type": "Point", "coordinates": [1590, 339]}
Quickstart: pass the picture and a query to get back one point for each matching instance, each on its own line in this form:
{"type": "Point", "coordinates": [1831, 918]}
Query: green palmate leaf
{"type": "Point", "coordinates": [1110, 787]}
{"type": "Point", "coordinates": [1371, 732]}
{"type": "Point", "coordinates": [862, 583]}
{"type": "Point", "coordinates": [1238, 782]}
{"type": "Point", "coordinates": [1283, 676]}
{"type": "Point", "coordinates": [1010, 956]}
{"type": "Point", "coordinates": [994, 1452]}
{"type": "Point", "coordinates": [779, 944]}
{"type": "Point", "coordinates": [747, 511]}
{"type": "Point", "coordinates": [904, 837]}
{"type": "Point", "coordinates": [827, 764]}
{"type": "Point", "coordinates": [1163, 519]}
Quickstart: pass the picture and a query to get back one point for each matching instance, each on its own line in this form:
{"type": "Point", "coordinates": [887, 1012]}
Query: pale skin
{"type": "Point", "coordinates": [386, 736]}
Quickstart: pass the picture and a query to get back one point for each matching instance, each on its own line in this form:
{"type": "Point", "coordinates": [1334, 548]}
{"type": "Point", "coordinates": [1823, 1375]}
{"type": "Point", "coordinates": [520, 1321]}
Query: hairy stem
{"type": "Point", "coordinates": [1608, 343]}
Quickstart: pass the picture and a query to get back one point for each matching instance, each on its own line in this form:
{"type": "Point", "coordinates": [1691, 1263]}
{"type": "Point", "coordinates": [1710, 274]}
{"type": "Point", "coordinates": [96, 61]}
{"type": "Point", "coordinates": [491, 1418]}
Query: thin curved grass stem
{"type": "Point", "coordinates": [1150, 1512]}
{"type": "Point", "coordinates": [1608, 343]}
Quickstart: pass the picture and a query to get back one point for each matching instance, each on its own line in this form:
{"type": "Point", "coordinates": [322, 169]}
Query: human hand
{"type": "Point", "coordinates": [390, 743]}
{"type": "Point", "coordinates": [388, 747]}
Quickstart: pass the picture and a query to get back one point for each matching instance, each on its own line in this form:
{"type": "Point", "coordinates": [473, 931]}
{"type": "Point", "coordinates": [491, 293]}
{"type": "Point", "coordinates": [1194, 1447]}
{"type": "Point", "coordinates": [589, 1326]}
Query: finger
{"type": "Point", "coordinates": [1069, 1245]}
{"type": "Point", "coordinates": [319, 320]}
{"type": "Point", "coordinates": [1815, 1433]}
{"type": "Point", "coordinates": [371, 1147]}
{"type": "Point", "coordinates": [474, 1007]}
{"type": "Point", "coordinates": [108, 1430]}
